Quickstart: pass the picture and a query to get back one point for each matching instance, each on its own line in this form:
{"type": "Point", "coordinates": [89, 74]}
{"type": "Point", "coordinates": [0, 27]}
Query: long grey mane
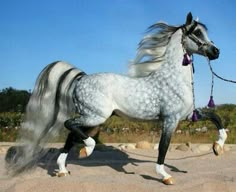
{"type": "Point", "coordinates": [152, 49]}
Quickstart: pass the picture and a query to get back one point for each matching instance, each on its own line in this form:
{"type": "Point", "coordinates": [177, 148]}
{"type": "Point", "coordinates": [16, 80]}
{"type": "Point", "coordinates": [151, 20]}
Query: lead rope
{"type": "Point", "coordinates": [223, 79]}
{"type": "Point", "coordinates": [211, 103]}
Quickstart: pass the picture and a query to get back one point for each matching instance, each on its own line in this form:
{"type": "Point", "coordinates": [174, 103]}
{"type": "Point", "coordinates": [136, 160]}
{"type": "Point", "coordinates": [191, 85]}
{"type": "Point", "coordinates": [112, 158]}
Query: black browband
{"type": "Point", "coordinates": [191, 29]}
{"type": "Point", "coordinates": [193, 37]}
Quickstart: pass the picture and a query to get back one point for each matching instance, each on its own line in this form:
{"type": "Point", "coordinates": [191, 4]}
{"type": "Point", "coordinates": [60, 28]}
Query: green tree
{"type": "Point", "coordinates": [12, 100]}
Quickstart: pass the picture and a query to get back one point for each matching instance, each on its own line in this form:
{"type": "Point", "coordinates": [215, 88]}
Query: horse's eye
{"type": "Point", "coordinates": [198, 33]}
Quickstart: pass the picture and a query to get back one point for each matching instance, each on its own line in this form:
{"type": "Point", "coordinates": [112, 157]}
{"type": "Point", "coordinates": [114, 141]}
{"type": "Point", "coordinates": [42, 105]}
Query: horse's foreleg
{"type": "Point", "coordinates": [163, 147]}
{"type": "Point", "coordinates": [218, 145]}
{"type": "Point", "coordinates": [169, 126]}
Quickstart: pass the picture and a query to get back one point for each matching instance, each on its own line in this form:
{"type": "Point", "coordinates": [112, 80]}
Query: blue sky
{"type": "Point", "coordinates": [102, 36]}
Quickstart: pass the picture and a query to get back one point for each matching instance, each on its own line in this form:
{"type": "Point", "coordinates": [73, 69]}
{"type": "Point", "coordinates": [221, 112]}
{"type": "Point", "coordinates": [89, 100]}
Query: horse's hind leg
{"type": "Point", "coordinates": [61, 160]}
{"type": "Point", "coordinates": [77, 133]}
{"type": "Point", "coordinates": [74, 127]}
{"type": "Point", "coordinates": [74, 137]}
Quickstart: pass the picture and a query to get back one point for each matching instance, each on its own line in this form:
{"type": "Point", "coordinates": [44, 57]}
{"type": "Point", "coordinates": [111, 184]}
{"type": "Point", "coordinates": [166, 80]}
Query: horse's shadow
{"type": "Point", "coordinates": [102, 156]}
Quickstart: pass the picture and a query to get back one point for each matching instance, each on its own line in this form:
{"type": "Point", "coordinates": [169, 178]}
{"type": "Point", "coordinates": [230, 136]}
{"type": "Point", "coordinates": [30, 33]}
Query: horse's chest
{"type": "Point", "coordinates": [177, 99]}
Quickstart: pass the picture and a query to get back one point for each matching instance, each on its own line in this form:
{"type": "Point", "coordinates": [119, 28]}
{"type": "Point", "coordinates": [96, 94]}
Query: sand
{"type": "Point", "coordinates": [111, 169]}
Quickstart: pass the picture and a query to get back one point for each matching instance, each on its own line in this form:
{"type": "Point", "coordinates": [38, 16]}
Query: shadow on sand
{"type": "Point", "coordinates": [102, 156]}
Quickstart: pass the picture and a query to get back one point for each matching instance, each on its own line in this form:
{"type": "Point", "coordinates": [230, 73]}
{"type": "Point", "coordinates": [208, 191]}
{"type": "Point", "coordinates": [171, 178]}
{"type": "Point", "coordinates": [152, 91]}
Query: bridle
{"type": "Point", "coordinates": [189, 33]}
{"type": "Point", "coordinates": [193, 37]}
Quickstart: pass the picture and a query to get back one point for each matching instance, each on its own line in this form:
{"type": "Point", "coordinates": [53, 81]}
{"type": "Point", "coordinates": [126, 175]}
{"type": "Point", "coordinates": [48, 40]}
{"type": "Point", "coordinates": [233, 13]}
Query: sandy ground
{"type": "Point", "coordinates": [110, 169]}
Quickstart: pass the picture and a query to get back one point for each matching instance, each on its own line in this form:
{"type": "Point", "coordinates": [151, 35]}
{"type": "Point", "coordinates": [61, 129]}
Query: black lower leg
{"type": "Point", "coordinates": [70, 141]}
{"type": "Point", "coordinates": [163, 147]}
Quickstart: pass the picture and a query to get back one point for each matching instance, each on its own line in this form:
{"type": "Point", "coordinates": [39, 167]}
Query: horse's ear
{"type": "Point", "coordinates": [189, 19]}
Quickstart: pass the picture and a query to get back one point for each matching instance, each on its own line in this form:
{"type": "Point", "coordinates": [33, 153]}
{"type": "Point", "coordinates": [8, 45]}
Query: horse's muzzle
{"type": "Point", "coordinates": [212, 52]}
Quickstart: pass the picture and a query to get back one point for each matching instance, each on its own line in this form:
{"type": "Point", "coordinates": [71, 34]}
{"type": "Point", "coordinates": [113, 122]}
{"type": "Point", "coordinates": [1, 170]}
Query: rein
{"type": "Point", "coordinates": [211, 103]}
{"type": "Point", "coordinates": [218, 76]}
{"type": "Point", "coordinates": [187, 60]}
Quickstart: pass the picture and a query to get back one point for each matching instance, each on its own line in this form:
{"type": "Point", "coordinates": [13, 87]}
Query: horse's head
{"type": "Point", "coordinates": [195, 39]}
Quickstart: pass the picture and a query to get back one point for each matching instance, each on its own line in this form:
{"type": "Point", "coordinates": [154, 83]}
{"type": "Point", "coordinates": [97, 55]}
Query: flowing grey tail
{"type": "Point", "coordinates": [50, 104]}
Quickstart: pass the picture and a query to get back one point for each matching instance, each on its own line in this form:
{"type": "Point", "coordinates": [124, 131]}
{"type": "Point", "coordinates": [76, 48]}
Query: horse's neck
{"type": "Point", "coordinates": [173, 60]}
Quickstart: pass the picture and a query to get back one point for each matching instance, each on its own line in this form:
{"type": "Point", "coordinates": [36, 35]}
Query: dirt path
{"type": "Point", "coordinates": [114, 170]}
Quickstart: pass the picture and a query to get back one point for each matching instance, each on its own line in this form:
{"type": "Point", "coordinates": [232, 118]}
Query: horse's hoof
{"type": "Point", "coordinates": [217, 149]}
{"type": "Point", "coordinates": [62, 174]}
{"type": "Point", "coordinates": [83, 153]}
{"type": "Point", "coordinates": [168, 181]}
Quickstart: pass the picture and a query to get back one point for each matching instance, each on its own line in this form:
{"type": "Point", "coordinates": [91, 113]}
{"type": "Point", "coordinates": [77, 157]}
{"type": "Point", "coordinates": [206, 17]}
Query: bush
{"type": "Point", "coordinates": [10, 120]}
{"type": "Point", "coordinates": [9, 125]}
{"type": "Point", "coordinates": [117, 129]}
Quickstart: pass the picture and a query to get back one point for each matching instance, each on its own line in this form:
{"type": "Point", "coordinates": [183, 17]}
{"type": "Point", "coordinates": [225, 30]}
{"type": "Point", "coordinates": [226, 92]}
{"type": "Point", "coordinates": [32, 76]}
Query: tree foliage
{"type": "Point", "coordinates": [12, 100]}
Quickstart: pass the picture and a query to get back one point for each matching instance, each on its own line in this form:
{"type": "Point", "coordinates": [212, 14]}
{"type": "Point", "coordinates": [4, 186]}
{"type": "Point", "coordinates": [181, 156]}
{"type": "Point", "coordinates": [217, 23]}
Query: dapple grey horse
{"type": "Point", "coordinates": [159, 87]}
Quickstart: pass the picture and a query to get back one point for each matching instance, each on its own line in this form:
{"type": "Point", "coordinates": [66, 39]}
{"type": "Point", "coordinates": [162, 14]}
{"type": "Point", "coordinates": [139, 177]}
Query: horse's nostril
{"type": "Point", "coordinates": [216, 51]}
{"type": "Point", "coordinates": [213, 53]}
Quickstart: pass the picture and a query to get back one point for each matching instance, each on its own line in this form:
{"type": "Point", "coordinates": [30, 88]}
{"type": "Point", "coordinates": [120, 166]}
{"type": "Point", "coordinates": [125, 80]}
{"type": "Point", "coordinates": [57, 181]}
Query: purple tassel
{"type": "Point", "coordinates": [186, 60]}
{"type": "Point", "coordinates": [211, 103]}
{"type": "Point", "coordinates": [194, 116]}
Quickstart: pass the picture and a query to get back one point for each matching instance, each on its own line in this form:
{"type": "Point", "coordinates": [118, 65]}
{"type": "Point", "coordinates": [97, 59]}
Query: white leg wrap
{"type": "Point", "coordinates": [61, 162]}
{"type": "Point", "coordinates": [160, 170]}
{"type": "Point", "coordinates": [222, 137]}
{"type": "Point", "coordinates": [90, 144]}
